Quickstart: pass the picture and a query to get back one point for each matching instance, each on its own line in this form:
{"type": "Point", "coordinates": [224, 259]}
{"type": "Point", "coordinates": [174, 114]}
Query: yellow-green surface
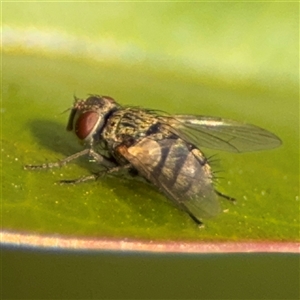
{"type": "Point", "coordinates": [235, 60]}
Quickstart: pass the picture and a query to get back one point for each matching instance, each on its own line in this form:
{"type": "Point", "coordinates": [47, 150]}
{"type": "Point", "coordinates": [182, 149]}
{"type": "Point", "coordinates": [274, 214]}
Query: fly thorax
{"type": "Point", "coordinates": [127, 127]}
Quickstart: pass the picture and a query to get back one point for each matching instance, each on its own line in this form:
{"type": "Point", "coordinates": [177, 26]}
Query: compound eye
{"type": "Point", "coordinates": [86, 124]}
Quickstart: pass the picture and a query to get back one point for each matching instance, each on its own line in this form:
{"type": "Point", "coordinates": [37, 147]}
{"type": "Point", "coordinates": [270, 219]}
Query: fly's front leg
{"type": "Point", "coordinates": [97, 157]}
{"type": "Point", "coordinates": [95, 176]}
{"type": "Point", "coordinates": [59, 163]}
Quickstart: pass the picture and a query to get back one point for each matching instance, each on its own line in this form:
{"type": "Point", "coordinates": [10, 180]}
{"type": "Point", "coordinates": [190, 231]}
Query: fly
{"type": "Point", "coordinates": [164, 149]}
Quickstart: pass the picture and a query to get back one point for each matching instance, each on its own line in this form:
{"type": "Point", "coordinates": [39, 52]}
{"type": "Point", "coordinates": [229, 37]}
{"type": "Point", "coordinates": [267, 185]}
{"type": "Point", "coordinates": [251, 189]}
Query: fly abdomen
{"type": "Point", "coordinates": [180, 170]}
{"type": "Point", "coordinates": [172, 167]}
{"type": "Point", "coordinates": [188, 178]}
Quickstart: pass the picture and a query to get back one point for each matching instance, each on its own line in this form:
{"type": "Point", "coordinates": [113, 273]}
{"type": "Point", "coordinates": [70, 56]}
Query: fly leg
{"type": "Point", "coordinates": [226, 197]}
{"type": "Point", "coordinates": [97, 157]}
{"type": "Point", "coordinates": [95, 176]}
{"type": "Point", "coordinates": [198, 222]}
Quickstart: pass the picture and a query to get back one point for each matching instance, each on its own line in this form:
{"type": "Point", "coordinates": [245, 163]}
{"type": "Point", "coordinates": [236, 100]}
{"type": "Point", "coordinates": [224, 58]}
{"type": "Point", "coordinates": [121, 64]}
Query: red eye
{"type": "Point", "coordinates": [85, 124]}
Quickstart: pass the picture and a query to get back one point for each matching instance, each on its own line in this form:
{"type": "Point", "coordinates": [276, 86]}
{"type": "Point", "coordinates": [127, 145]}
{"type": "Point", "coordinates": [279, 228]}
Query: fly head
{"type": "Point", "coordinates": [88, 117]}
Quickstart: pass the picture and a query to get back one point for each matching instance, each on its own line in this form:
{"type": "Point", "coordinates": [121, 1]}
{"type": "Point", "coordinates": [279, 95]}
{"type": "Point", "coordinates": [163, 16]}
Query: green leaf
{"type": "Point", "coordinates": [44, 67]}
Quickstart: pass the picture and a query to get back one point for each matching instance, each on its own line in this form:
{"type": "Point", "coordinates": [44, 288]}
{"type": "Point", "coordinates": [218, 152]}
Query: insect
{"type": "Point", "coordinates": [163, 149]}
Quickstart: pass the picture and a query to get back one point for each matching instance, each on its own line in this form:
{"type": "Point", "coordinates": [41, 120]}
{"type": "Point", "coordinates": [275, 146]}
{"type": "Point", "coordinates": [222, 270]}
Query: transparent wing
{"type": "Point", "coordinates": [222, 134]}
{"type": "Point", "coordinates": [177, 172]}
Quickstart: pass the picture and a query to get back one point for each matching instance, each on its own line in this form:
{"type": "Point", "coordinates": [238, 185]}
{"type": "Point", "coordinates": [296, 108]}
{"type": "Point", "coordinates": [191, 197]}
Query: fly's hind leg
{"type": "Point", "coordinates": [196, 220]}
{"type": "Point", "coordinates": [233, 200]}
{"type": "Point", "coordinates": [95, 176]}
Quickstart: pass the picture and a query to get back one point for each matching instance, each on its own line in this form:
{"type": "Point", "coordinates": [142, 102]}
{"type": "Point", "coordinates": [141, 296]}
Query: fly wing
{"type": "Point", "coordinates": [222, 134]}
{"type": "Point", "coordinates": [181, 173]}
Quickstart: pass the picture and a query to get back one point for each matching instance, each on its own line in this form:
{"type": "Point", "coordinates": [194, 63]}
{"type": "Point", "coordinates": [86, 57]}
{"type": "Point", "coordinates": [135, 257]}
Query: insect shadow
{"type": "Point", "coordinates": [54, 137]}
